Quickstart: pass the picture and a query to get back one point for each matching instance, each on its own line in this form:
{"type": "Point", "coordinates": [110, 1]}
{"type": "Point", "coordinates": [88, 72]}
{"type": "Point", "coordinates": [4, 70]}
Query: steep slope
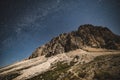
{"type": "Point", "coordinates": [105, 67]}
{"type": "Point", "coordinates": [56, 66]}
{"type": "Point", "coordinates": [86, 36]}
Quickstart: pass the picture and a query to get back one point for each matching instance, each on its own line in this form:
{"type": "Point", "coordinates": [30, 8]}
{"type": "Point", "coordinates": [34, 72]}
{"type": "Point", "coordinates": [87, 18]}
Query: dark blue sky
{"type": "Point", "coordinates": [27, 24]}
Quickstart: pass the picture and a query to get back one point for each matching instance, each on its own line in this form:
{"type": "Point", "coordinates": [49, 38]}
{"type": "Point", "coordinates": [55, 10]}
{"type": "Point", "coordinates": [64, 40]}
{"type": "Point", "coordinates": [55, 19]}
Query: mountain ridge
{"type": "Point", "coordinates": [86, 36]}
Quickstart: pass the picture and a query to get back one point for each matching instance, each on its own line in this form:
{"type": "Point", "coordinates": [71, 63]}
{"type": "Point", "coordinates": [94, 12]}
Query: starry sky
{"type": "Point", "coordinates": [28, 24]}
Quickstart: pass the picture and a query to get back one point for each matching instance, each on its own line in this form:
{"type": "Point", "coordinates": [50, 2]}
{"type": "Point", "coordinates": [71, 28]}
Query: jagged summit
{"type": "Point", "coordinates": [86, 36]}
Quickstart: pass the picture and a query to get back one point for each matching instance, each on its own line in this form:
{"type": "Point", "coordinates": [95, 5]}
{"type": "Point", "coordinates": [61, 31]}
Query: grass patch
{"type": "Point", "coordinates": [9, 76]}
{"type": "Point", "coordinates": [106, 75]}
{"type": "Point", "coordinates": [59, 69]}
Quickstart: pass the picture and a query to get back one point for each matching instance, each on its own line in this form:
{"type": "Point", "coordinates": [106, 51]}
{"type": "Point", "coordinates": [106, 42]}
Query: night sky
{"type": "Point", "coordinates": [27, 24]}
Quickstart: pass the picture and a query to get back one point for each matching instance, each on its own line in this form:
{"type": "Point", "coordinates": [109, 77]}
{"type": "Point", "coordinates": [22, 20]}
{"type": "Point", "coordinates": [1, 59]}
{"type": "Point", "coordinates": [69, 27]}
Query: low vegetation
{"type": "Point", "coordinates": [58, 69]}
{"type": "Point", "coordinates": [9, 76]}
{"type": "Point", "coordinates": [105, 67]}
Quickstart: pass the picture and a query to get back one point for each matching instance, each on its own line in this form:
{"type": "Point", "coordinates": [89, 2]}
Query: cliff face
{"type": "Point", "coordinates": [86, 36]}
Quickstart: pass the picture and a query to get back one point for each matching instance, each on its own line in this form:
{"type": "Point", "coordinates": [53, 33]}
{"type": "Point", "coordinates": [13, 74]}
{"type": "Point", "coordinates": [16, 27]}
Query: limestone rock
{"type": "Point", "coordinates": [86, 36]}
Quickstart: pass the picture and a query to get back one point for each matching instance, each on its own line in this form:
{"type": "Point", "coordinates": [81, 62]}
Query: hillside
{"type": "Point", "coordinates": [105, 67]}
{"type": "Point", "coordinates": [52, 68]}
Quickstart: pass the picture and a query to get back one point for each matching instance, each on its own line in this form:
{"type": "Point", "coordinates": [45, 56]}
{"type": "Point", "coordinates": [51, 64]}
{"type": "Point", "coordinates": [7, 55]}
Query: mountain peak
{"type": "Point", "coordinates": [89, 28]}
{"type": "Point", "coordinates": [86, 36]}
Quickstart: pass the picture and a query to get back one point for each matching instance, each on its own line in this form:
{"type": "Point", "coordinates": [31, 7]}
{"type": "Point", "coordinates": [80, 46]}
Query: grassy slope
{"type": "Point", "coordinates": [105, 67]}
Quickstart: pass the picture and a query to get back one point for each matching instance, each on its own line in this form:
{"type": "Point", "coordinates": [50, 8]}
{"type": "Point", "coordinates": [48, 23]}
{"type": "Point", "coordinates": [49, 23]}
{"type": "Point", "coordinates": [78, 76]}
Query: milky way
{"type": "Point", "coordinates": [27, 24]}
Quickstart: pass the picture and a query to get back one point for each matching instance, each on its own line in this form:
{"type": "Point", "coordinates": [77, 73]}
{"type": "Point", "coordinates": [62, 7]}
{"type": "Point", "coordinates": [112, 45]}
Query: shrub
{"type": "Point", "coordinates": [82, 74]}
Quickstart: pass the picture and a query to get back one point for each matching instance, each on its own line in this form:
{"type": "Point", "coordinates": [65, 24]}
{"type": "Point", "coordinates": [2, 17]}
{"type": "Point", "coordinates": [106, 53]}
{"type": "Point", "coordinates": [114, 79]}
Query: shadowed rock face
{"type": "Point", "coordinates": [86, 36]}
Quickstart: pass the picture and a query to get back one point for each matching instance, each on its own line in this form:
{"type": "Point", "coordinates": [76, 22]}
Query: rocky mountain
{"type": "Point", "coordinates": [86, 36]}
{"type": "Point", "coordinates": [89, 53]}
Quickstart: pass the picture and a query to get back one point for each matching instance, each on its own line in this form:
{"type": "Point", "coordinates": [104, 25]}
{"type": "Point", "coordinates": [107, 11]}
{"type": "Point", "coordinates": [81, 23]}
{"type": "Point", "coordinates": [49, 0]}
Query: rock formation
{"type": "Point", "coordinates": [86, 36]}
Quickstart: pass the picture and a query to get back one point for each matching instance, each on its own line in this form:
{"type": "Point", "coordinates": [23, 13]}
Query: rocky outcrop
{"type": "Point", "coordinates": [86, 36]}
